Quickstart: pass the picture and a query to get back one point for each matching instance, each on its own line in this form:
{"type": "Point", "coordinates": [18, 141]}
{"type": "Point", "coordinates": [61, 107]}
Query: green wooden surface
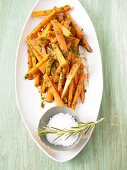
{"type": "Point", "coordinates": [107, 148]}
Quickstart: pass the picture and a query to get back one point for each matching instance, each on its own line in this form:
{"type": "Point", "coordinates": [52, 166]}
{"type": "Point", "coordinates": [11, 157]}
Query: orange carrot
{"type": "Point", "coordinates": [49, 97]}
{"type": "Point", "coordinates": [71, 91]}
{"type": "Point", "coordinates": [59, 36]}
{"type": "Point", "coordinates": [37, 79]}
{"type": "Point", "coordinates": [78, 90]}
{"type": "Point", "coordinates": [47, 12]}
{"type": "Point", "coordinates": [42, 24]}
{"type": "Point", "coordinates": [86, 45]}
{"type": "Point", "coordinates": [79, 33]}
{"type": "Point", "coordinates": [71, 75]}
{"type": "Point", "coordinates": [55, 93]}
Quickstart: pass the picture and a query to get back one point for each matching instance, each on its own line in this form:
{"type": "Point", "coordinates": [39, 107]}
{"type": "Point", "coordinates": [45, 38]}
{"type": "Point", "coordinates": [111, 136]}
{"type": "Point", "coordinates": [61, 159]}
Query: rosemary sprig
{"type": "Point", "coordinates": [81, 128]}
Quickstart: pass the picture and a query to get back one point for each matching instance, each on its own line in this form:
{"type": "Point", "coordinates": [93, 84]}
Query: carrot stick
{"type": "Point", "coordinates": [76, 79]}
{"type": "Point", "coordinates": [55, 93]}
{"type": "Point", "coordinates": [86, 45]}
{"type": "Point", "coordinates": [43, 51]}
{"type": "Point", "coordinates": [71, 75]}
{"type": "Point", "coordinates": [78, 90]}
{"type": "Point", "coordinates": [78, 32]}
{"type": "Point", "coordinates": [43, 87]}
{"type": "Point", "coordinates": [36, 48]}
{"type": "Point", "coordinates": [67, 24]}
{"type": "Point", "coordinates": [36, 67]}
{"type": "Point", "coordinates": [42, 24]}
{"type": "Point", "coordinates": [47, 12]}
{"type": "Point", "coordinates": [59, 36]}
{"type": "Point", "coordinates": [71, 91]}
{"type": "Point", "coordinates": [38, 57]}
{"type": "Point", "coordinates": [60, 82]}
{"type": "Point", "coordinates": [42, 68]}
{"type": "Point", "coordinates": [65, 31]}
{"type": "Point", "coordinates": [82, 95]}
{"type": "Point", "coordinates": [37, 79]}
{"type": "Point", "coordinates": [59, 55]}
{"type": "Point", "coordinates": [49, 97]}
{"type": "Point", "coordinates": [29, 58]}
{"type": "Point", "coordinates": [49, 64]}
{"type": "Point", "coordinates": [29, 61]}
{"type": "Point", "coordinates": [47, 28]}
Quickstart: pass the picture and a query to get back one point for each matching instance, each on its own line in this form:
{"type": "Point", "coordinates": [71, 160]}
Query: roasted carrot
{"type": "Point", "coordinates": [49, 96]}
{"type": "Point", "coordinates": [47, 28]}
{"type": "Point", "coordinates": [36, 67]}
{"type": "Point", "coordinates": [78, 90]}
{"type": "Point", "coordinates": [42, 24]}
{"type": "Point", "coordinates": [36, 48]}
{"type": "Point", "coordinates": [55, 93]}
{"type": "Point", "coordinates": [76, 79]}
{"type": "Point", "coordinates": [78, 32]}
{"type": "Point", "coordinates": [82, 95]}
{"type": "Point", "coordinates": [71, 75]}
{"type": "Point", "coordinates": [65, 31]}
{"type": "Point", "coordinates": [29, 58]}
{"type": "Point", "coordinates": [43, 87]}
{"type": "Point", "coordinates": [85, 44]}
{"type": "Point", "coordinates": [60, 37]}
{"type": "Point", "coordinates": [71, 92]}
{"type": "Point", "coordinates": [37, 79]}
{"type": "Point", "coordinates": [59, 55]}
{"type": "Point", "coordinates": [67, 23]}
{"type": "Point", "coordinates": [47, 12]}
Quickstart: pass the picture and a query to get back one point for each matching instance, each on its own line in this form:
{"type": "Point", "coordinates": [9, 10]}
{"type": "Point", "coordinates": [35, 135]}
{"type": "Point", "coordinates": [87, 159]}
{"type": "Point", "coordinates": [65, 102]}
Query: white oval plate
{"type": "Point", "coordinates": [28, 98]}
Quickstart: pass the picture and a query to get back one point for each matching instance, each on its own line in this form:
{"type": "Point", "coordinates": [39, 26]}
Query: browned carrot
{"type": "Point", "coordinates": [71, 91]}
{"type": "Point", "coordinates": [82, 95]}
{"type": "Point", "coordinates": [86, 45]}
{"type": "Point", "coordinates": [60, 37]}
{"type": "Point", "coordinates": [78, 90]}
{"type": "Point", "coordinates": [42, 24]}
{"type": "Point", "coordinates": [47, 12]}
{"type": "Point", "coordinates": [79, 33]}
{"type": "Point", "coordinates": [60, 17]}
{"type": "Point", "coordinates": [55, 93]}
{"type": "Point", "coordinates": [71, 75]}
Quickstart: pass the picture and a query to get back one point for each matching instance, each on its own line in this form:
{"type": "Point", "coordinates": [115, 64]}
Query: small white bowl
{"type": "Point", "coordinates": [45, 119]}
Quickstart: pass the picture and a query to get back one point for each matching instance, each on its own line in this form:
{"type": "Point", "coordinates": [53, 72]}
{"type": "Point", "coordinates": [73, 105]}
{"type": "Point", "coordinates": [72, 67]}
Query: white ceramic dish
{"type": "Point", "coordinates": [28, 98]}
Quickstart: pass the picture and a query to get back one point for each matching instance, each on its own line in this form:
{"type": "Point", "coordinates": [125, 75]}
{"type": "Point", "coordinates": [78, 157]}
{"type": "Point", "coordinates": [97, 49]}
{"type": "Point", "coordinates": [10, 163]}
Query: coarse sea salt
{"type": "Point", "coordinates": [62, 121]}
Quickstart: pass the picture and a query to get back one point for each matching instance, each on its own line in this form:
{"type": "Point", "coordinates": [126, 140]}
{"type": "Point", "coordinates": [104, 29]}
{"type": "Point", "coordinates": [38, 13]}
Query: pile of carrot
{"type": "Point", "coordinates": [54, 60]}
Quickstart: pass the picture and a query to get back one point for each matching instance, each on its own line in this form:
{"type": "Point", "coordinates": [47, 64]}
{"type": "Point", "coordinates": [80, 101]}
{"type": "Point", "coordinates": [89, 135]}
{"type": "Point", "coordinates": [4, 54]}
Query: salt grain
{"type": "Point", "coordinates": [62, 121]}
